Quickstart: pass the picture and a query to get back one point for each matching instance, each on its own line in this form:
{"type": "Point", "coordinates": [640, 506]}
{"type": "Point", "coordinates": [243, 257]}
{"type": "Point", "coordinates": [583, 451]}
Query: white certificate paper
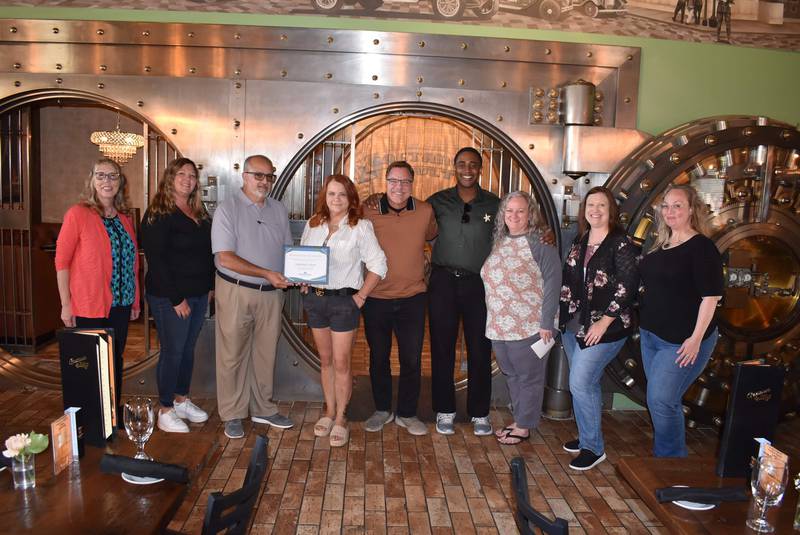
{"type": "Point", "coordinates": [306, 264]}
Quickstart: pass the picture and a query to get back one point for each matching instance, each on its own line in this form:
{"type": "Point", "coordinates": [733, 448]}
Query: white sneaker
{"type": "Point", "coordinates": [444, 423]}
{"type": "Point", "coordinates": [190, 411]}
{"type": "Point", "coordinates": [413, 424]}
{"type": "Point", "coordinates": [169, 422]}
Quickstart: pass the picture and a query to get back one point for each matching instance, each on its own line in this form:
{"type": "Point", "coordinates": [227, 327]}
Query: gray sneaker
{"type": "Point", "coordinates": [234, 429]}
{"type": "Point", "coordinates": [481, 426]}
{"type": "Point", "coordinates": [378, 419]}
{"type": "Point", "coordinates": [276, 420]}
{"type": "Point", "coordinates": [414, 426]}
{"type": "Point", "coordinates": [444, 423]}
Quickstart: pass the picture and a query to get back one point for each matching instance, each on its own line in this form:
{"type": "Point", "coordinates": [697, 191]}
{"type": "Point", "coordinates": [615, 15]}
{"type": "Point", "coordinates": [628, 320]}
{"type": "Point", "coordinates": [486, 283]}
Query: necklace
{"type": "Point", "coordinates": [674, 241]}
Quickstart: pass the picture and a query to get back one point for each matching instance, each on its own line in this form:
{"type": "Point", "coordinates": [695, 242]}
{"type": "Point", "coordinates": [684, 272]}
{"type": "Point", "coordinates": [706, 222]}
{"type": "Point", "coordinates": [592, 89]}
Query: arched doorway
{"type": "Point", "coordinates": [46, 157]}
{"type": "Point", "coordinates": [362, 146]}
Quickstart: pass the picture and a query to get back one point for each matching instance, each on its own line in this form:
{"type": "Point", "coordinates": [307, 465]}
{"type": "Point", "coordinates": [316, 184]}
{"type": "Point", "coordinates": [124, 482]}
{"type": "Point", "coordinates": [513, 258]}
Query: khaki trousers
{"type": "Point", "coordinates": [248, 323]}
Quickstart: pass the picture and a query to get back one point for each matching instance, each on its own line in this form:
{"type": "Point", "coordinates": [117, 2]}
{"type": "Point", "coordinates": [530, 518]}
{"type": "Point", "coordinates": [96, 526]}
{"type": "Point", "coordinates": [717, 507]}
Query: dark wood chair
{"type": "Point", "coordinates": [527, 515]}
{"type": "Point", "coordinates": [231, 513]}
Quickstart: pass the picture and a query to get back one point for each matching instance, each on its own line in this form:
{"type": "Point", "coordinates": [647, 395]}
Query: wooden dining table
{"type": "Point", "coordinates": [646, 474]}
{"type": "Point", "coordinates": [83, 500]}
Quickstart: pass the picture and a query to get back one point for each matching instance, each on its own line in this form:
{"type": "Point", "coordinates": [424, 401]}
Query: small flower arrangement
{"type": "Point", "coordinates": [23, 445]}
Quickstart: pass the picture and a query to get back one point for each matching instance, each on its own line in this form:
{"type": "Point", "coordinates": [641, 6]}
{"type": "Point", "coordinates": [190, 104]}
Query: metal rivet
{"type": "Point", "coordinates": [147, 68]}
{"type": "Point", "coordinates": [236, 166]}
{"type": "Point", "coordinates": [59, 66]}
{"type": "Point", "coordinates": [537, 117]}
{"type": "Point", "coordinates": [554, 181]}
{"type": "Point", "coordinates": [174, 131]}
{"type": "Point", "coordinates": [461, 99]}
{"type": "Point", "coordinates": [238, 85]}
{"type": "Point", "coordinates": [645, 185]}
{"type": "Point", "coordinates": [624, 217]}
{"type": "Point", "coordinates": [747, 131]}
{"type": "Point", "coordinates": [597, 119]}
{"type": "Point", "coordinates": [547, 51]}
{"type": "Point", "coordinates": [710, 140]}
{"type": "Point", "coordinates": [59, 81]}
{"type": "Point", "coordinates": [598, 96]}
{"type": "Point", "coordinates": [630, 57]}
{"type": "Point", "coordinates": [330, 39]}
{"type": "Point", "coordinates": [17, 83]}
{"type": "Point", "coordinates": [283, 73]}
{"type": "Point", "coordinates": [421, 44]}
{"type": "Point", "coordinates": [237, 72]}
{"type": "Point", "coordinates": [539, 92]}
{"type": "Point", "coordinates": [553, 105]}
{"type": "Point", "coordinates": [328, 76]}
{"type": "Point", "coordinates": [335, 110]}
{"type": "Point", "coordinates": [299, 135]}
{"type": "Point", "coordinates": [419, 93]}
{"type": "Point", "coordinates": [589, 181]}
{"type": "Point", "coordinates": [598, 108]}
{"type": "Point", "coordinates": [101, 85]}
{"type": "Point", "coordinates": [103, 67]}
{"type": "Point", "coordinates": [18, 65]}
{"type": "Point", "coordinates": [140, 103]}
{"type": "Point", "coordinates": [589, 54]}
{"type": "Point", "coordinates": [552, 93]}
{"type": "Point", "coordinates": [419, 79]}
{"type": "Point", "coordinates": [499, 118]}
{"type": "Point", "coordinates": [100, 32]}
{"type": "Point", "coordinates": [13, 29]}
{"type": "Point", "coordinates": [675, 158]}
{"type": "Point", "coordinates": [284, 37]}
{"type": "Point", "coordinates": [507, 48]}
{"type": "Point", "coordinates": [552, 116]}
{"type": "Point", "coordinates": [464, 46]}
{"type": "Point", "coordinates": [146, 33]}
{"type": "Point", "coordinates": [531, 146]}
{"type": "Point", "coordinates": [538, 104]}
{"type": "Point", "coordinates": [190, 34]}
{"type": "Point", "coordinates": [786, 134]}
{"type": "Point", "coordinates": [237, 36]}
{"type": "Point", "coordinates": [503, 84]}
{"type": "Point", "coordinates": [237, 123]}
{"type": "Point", "coordinates": [376, 42]}
{"type": "Point", "coordinates": [376, 95]}
{"type": "Point", "coordinates": [627, 100]}
{"type": "Point", "coordinates": [55, 30]}
{"type": "Point", "coordinates": [374, 77]}
{"type": "Point", "coordinates": [461, 82]}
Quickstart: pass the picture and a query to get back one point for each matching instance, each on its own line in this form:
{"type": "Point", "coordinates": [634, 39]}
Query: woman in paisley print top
{"type": "Point", "coordinates": [97, 265]}
{"type": "Point", "coordinates": [600, 281]}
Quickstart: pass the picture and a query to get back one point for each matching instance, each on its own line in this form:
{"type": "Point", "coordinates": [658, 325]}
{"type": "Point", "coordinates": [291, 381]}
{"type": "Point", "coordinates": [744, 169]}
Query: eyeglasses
{"type": "Point", "coordinates": [465, 215]}
{"type": "Point", "coordinates": [269, 177]}
{"type": "Point", "coordinates": [395, 183]}
{"type": "Point", "coordinates": [109, 177]}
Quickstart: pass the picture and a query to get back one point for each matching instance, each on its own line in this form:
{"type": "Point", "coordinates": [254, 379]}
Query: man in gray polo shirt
{"type": "Point", "coordinates": [247, 238]}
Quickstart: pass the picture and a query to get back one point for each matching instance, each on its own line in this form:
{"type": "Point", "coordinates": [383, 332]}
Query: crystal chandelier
{"type": "Point", "coordinates": [117, 145]}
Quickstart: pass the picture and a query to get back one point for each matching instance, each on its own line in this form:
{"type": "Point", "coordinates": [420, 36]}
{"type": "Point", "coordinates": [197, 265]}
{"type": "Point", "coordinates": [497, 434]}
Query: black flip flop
{"type": "Point", "coordinates": [519, 438]}
{"type": "Point", "coordinates": [504, 431]}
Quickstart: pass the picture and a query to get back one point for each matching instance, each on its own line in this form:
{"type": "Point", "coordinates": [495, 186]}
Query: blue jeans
{"type": "Point", "coordinates": [178, 338]}
{"type": "Point", "coordinates": [666, 384]}
{"type": "Point", "coordinates": [586, 368]}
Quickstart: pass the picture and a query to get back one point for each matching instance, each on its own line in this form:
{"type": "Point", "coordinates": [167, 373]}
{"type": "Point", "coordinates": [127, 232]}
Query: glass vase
{"type": "Point", "coordinates": [23, 467]}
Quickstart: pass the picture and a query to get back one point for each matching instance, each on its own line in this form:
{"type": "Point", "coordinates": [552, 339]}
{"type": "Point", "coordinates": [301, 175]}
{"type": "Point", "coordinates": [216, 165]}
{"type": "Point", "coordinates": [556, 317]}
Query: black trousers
{"type": "Point", "coordinates": [118, 319]}
{"type": "Point", "coordinates": [451, 298]}
{"type": "Point", "coordinates": [406, 318]}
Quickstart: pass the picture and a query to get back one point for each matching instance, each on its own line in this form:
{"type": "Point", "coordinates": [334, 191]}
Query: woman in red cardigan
{"type": "Point", "coordinates": [97, 266]}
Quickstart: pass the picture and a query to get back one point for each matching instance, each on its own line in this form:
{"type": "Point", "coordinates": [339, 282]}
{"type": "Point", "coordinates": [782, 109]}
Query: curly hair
{"type": "Point", "coordinates": [163, 202]}
{"type": "Point", "coordinates": [322, 214]}
{"type": "Point", "coordinates": [534, 217]}
{"type": "Point", "coordinates": [698, 219]}
{"type": "Point", "coordinates": [89, 195]}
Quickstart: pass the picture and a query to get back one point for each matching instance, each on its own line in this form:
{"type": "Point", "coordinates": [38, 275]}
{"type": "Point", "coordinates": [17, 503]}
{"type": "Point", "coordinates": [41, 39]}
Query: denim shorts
{"type": "Point", "coordinates": [339, 312]}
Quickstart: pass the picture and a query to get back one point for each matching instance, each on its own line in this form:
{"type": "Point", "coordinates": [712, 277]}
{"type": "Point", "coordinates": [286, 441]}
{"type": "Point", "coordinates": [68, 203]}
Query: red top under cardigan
{"type": "Point", "coordinates": [83, 247]}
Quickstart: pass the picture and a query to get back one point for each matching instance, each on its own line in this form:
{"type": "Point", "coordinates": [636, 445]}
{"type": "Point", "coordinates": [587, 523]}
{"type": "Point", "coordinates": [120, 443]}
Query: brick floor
{"type": "Point", "coordinates": [392, 482]}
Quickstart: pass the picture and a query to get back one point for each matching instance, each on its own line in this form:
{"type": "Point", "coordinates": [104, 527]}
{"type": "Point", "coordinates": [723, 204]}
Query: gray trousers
{"type": "Point", "coordinates": [525, 376]}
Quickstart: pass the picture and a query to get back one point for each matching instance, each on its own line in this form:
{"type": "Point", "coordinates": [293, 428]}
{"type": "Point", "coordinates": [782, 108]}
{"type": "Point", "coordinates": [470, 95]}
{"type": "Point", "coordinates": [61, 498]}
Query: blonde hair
{"type": "Point", "coordinates": [163, 202]}
{"type": "Point", "coordinates": [89, 195]}
{"type": "Point", "coordinates": [534, 218]}
{"type": "Point", "coordinates": [698, 218]}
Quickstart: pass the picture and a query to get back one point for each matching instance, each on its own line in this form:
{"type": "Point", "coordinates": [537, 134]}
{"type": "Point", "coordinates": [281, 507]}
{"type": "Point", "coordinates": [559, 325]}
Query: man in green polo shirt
{"type": "Point", "coordinates": [465, 215]}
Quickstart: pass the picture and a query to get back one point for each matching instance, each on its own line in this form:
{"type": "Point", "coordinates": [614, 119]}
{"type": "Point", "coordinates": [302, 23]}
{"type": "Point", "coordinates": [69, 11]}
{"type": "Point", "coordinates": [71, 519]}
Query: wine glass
{"type": "Point", "coordinates": [139, 421]}
{"type": "Point", "coordinates": [768, 484]}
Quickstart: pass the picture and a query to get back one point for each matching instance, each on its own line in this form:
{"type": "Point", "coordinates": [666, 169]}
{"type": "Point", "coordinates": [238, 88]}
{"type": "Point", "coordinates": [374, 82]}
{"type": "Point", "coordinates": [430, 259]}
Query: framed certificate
{"type": "Point", "coordinates": [307, 264]}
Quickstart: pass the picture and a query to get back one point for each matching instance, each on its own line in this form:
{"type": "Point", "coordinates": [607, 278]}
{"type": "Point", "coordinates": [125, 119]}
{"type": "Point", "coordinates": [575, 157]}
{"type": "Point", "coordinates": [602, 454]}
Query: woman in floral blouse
{"type": "Point", "coordinates": [521, 277]}
{"type": "Point", "coordinates": [600, 280]}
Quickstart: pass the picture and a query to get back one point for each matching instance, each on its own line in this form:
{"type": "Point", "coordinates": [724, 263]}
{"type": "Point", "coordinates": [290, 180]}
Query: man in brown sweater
{"type": "Point", "coordinates": [403, 224]}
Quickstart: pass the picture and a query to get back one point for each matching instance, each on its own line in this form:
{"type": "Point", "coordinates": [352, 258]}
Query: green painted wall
{"type": "Point", "coordinates": [679, 81]}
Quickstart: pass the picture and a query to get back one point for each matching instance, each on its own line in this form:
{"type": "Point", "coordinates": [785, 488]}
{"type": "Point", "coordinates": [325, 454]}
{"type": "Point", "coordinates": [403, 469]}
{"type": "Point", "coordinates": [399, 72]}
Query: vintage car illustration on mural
{"type": "Point", "coordinates": [443, 9]}
{"type": "Point", "coordinates": [593, 8]}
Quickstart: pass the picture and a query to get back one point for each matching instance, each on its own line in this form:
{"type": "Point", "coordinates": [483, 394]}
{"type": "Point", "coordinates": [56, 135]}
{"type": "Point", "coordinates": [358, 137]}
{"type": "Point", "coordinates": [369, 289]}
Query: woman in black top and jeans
{"type": "Point", "coordinates": [176, 237]}
{"type": "Point", "coordinates": [682, 283]}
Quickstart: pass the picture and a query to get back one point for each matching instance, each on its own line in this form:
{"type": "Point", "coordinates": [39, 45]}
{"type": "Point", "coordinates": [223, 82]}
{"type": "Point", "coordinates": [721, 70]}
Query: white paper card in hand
{"type": "Point", "coordinates": [541, 347]}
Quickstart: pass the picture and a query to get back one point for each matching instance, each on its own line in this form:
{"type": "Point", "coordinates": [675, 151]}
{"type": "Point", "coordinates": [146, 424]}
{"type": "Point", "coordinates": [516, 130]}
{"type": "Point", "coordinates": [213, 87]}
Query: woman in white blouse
{"type": "Point", "coordinates": [333, 309]}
